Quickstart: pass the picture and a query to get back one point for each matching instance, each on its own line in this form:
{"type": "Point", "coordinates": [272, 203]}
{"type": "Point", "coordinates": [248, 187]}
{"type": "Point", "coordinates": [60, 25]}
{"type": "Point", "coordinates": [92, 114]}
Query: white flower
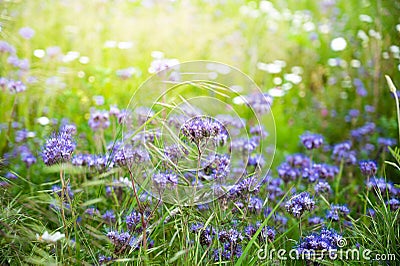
{"type": "Point", "coordinates": [338, 44]}
{"type": "Point", "coordinates": [50, 238]}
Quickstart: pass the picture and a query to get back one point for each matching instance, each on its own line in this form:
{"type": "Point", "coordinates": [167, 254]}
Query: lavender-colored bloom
{"type": "Point", "coordinates": [26, 32]}
{"type": "Point", "coordinates": [322, 187]}
{"type": "Point", "coordinates": [217, 167]}
{"type": "Point", "coordinates": [244, 188]}
{"type": "Point", "coordinates": [255, 205]}
{"type": "Point", "coordinates": [127, 73]}
{"type": "Point", "coordinates": [99, 119]}
{"type": "Point", "coordinates": [380, 185]}
{"type": "Point", "coordinates": [369, 108]}
{"type": "Point", "coordinates": [114, 110]}
{"type": "Point", "coordinates": [244, 145]}
{"type": "Point", "coordinates": [343, 152]}
{"type": "Point", "coordinates": [162, 64]}
{"type": "Point", "coordinates": [394, 204]}
{"type": "Point", "coordinates": [367, 129]}
{"type": "Point", "coordinates": [368, 168]}
{"type": "Point", "coordinates": [260, 103]}
{"type": "Point", "coordinates": [175, 152]}
{"type": "Point", "coordinates": [163, 179]}
{"type": "Point", "coordinates": [256, 160]}
{"type": "Point", "coordinates": [315, 220]}
{"type": "Point", "coordinates": [231, 121]}
{"type": "Point", "coordinates": [132, 220]}
{"type": "Point", "coordinates": [16, 86]}
{"type": "Point", "coordinates": [103, 259]}
{"type": "Point", "coordinates": [198, 129]}
{"type": "Point", "coordinates": [385, 142]}
{"type": "Point", "coordinates": [127, 156]}
{"type": "Point", "coordinates": [323, 240]}
{"type": "Point", "coordinates": [311, 141]}
{"type": "Point", "coordinates": [92, 211]}
{"type": "Point", "coordinates": [300, 203]}
{"type": "Point", "coordinates": [109, 217]}
{"type": "Point", "coordinates": [10, 175]}
{"type": "Point", "coordinates": [336, 211]}
{"type": "Point", "coordinates": [58, 148]}
{"type": "Point", "coordinates": [5, 47]}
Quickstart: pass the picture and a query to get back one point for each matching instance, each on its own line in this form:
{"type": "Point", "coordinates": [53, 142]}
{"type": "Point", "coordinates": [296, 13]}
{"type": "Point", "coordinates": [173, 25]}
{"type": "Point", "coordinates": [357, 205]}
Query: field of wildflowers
{"type": "Point", "coordinates": [177, 132]}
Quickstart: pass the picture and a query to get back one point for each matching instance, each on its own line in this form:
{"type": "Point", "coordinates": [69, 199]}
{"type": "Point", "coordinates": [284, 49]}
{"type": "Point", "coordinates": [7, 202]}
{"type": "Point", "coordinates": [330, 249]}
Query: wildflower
{"type": "Point", "coordinates": [322, 187]}
{"type": "Point", "coordinates": [217, 167]}
{"type": "Point", "coordinates": [311, 141]}
{"type": "Point", "coordinates": [380, 185]}
{"type": "Point", "coordinates": [336, 211]}
{"type": "Point", "coordinates": [92, 211]}
{"type": "Point", "coordinates": [368, 168]}
{"type": "Point", "coordinates": [162, 179]}
{"type": "Point", "coordinates": [323, 240]}
{"type": "Point", "coordinates": [127, 156]}
{"type": "Point", "coordinates": [16, 86]}
{"type": "Point", "coordinates": [58, 148]}
{"type": "Point", "coordinates": [99, 119]}
{"type": "Point", "coordinates": [198, 129]}
{"type": "Point", "coordinates": [132, 220]}
{"type": "Point", "coordinates": [26, 32]}
{"type": "Point", "coordinates": [260, 103]}
{"type": "Point", "coordinates": [394, 204]}
{"type": "Point", "coordinates": [109, 217]}
{"type": "Point", "coordinates": [343, 152]}
{"type": "Point", "coordinates": [315, 220]}
{"type": "Point", "coordinates": [5, 47]}
{"type": "Point", "coordinates": [300, 203]}
{"type": "Point", "coordinates": [50, 237]}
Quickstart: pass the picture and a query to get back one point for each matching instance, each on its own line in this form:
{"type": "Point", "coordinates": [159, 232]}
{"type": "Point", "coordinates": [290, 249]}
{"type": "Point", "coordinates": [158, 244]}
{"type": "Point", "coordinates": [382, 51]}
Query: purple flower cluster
{"type": "Point", "coordinates": [163, 179]}
{"type": "Point", "coordinates": [311, 141]}
{"type": "Point", "coordinates": [323, 240]}
{"type": "Point", "coordinates": [99, 119]}
{"type": "Point", "coordinates": [128, 156]}
{"type": "Point", "coordinates": [368, 168]}
{"type": "Point", "coordinates": [292, 168]}
{"type": "Point", "coordinates": [133, 220]}
{"type": "Point", "coordinates": [322, 187]}
{"type": "Point", "coordinates": [260, 103]}
{"type": "Point", "coordinates": [380, 185]}
{"type": "Point", "coordinates": [121, 240]}
{"type": "Point", "coordinates": [342, 152]}
{"type": "Point", "coordinates": [58, 148]}
{"type": "Point", "coordinates": [336, 211]}
{"type": "Point", "coordinates": [300, 203]}
{"type": "Point", "coordinates": [99, 163]}
{"type": "Point", "coordinates": [218, 167]}
{"type": "Point", "coordinates": [364, 131]}
{"type": "Point", "coordinates": [200, 128]}
{"type": "Point", "coordinates": [267, 233]}
{"type": "Point", "coordinates": [14, 86]}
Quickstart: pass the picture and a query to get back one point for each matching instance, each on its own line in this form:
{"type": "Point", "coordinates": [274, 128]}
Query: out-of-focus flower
{"type": "Point", "coordinates": [26, 32]}
{"type": "Point", "coordinates": [50, 237]}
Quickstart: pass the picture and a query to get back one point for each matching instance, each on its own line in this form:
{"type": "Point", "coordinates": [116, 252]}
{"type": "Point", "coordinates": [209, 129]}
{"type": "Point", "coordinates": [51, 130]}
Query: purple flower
{"type": "Point", "coordinates": [16, 86]}
{"type": "Point", "coordinates": [132, 220]}
{"type": "Point", "coordinates": [99, 119]}
{"type": "Point", "coordinates": [394, 204]}
{"type": "Point", "coordinates": [343, 152]}
{"type": "Point", "coordinates": [315, 220]}
{"type": "Point", "coordinates": [163, 179]}
{"type": "Point", "coordinates": [58, 148]}
{"type": "Point", "coordinates": [127, 156]}
{"type": "Point", "coordinates": [109, 217]}
{"type": "Point", "coordinates": [311, 141]}
{"type": "Point", "coordinates": [217, 167]}
{"type": "Point", "coordinates": [300, 203]}
{"type": "Point", "coordinates": [322, 187]}
{"type": "Point", "coordinates": [260, 102]}
{"type": "Point", "coordinates": [26, 32]}
{"type": "Point", "coordinates": [368, 168]}
{"type": "Point", "coordinates": [323, 240]}
{"type": "Point", "coordinates": [336, 211]}
{"type": "Point", "coordinates": [379, 185]}
{"type": "Point", "coordinates": [200, 128]}
{"type": "Point", "coordinates": [5, 47]}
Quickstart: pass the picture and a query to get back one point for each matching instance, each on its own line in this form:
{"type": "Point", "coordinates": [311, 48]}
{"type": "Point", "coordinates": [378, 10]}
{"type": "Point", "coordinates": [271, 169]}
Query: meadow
{"type": "Point", "coordinates": [177, 132]}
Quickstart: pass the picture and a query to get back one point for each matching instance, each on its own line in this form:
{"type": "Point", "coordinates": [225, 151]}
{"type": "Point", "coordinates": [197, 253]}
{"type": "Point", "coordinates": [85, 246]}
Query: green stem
{"type": "Point", "coordinates": [339, 177]}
